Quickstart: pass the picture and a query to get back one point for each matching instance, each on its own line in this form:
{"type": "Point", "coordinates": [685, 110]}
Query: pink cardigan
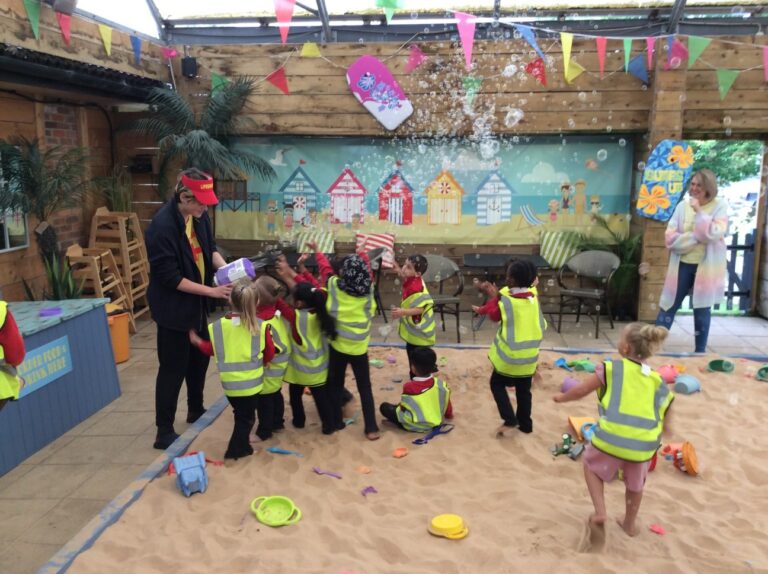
{"type": "Point", "coordinates": [709, 229]}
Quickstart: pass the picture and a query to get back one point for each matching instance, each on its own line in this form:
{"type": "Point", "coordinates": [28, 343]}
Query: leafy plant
{"type": "Point", "coordinates": [116, 189]}
{"type": "Point", "coordinates": [61, 281]}
{"type": "Point", "coordinates": [201, 139]}
{"type": "Point", "coordinates": [731, 161]}
{"type": "Point", "coordinates": [28, 291]}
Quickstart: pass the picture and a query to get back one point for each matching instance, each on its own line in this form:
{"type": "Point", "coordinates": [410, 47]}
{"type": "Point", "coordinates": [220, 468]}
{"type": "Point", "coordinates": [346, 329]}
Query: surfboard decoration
{"type": "Point", "coordinates": [665, 178]}
{"type": "Point", "coordinates": [374, 86]}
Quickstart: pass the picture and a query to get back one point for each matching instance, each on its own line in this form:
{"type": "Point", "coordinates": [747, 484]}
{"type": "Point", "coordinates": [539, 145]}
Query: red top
{"type": "Point", "coordinates": [206, 347]}
{"type": "Point", "coordinates": [415, 387]}
{"type": "Point", "coordinates": [491, 307]}
{"type": "Point", "coordinates": [412, 285]}
{"type": "Point", "coordinates": [326, 270]}
{"type": "Point", "coordinates": [307, 277]}
{"type": "Point", "coordinates": [12, 341]}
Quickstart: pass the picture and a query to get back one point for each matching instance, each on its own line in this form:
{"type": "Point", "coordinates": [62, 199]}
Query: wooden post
{"type": "Point", "coordinates": [760, 277]}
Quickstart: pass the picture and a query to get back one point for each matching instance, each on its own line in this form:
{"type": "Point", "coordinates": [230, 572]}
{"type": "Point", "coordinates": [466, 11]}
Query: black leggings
{"type": "Point", "coordinates": [337, 368]}
{"type": "Point", "coordinates": [245, 418]}
{"type": "Point", "coordinates": [270, 409]}
{"type": "Point", "coordinates": [322, 402]}
{"type": "Point", "coordinates": [499, 384]}
{"type": "Point", "coordinates": [389, 412]}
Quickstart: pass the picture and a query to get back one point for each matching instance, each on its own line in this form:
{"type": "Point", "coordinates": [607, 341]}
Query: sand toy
{"type": "Point", "coordinates": [563, 364]}
{"type": "Point", "coordinates": [668, 373]}
{"type": "Point", "coordinates": [569, 446]}
{"type": "Point", "coordinates": [578, 423]}
{"type": "Point", "coordinates": [568, 384]}
{"type": "Point", "coordinates": [400, 452]}
{"type": "Point", "coordinates": [683, 456]}
{"type": "Point", "coordinates": [721, 366]}
{"type": "Point", "coordinates": [191, 476]}
{"type": "Point", "coordinates": [686, 384]}
{"type": "Point", "coordinates": [275, 510]}
{"type": "Point", "coordinates": [449, 526]}
{"type": "Point", "coordinates": [582, 365]}
{"type": "Point", "coordinates": [762, 374]}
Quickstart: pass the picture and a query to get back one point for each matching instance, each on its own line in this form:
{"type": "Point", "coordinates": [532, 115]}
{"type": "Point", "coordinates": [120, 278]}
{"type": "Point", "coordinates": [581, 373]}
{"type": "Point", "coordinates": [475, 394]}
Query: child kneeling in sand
{"type": "Point", "coordinates": [633, 401]}
{"type": "Point", "coordinates": [426, 399]}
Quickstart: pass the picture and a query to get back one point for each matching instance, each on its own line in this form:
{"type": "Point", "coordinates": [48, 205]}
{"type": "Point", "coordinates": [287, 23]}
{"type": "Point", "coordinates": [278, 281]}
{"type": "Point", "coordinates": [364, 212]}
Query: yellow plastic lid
{"type": "Point", "coordinates": [448, 526]}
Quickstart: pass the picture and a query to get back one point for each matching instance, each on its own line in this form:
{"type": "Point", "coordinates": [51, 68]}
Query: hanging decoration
{"type": "Point", "coordinates": [677, 53]}
{"type": "Point", "coordinates": [725, 79]}
{"type": "Point", "coordinates": [472, 85]}
{"type": "Point", "coordinates": [217, 82]}
{"type": "Point", "coordinates": [310, 50]}
{"type": "Point", "coordinates": [33, 14]}
{"type": "Point", "coordinates": [601, 42]}
{"type": "Point", "coordinates": [650, 43]}
{"type": "Point", "coordinates": [415, 59]}
{"type": "Point", "coordinates": [527, 33]}
{"type": "Point", "coordinates": [696, 45]}
{"type": "Point", "coordinates": [665, 177]}
{"type": "Point", "coordinates": [106, 38]}
{"type": "Point", "coordinates": [637, 69]}
{"type": "Point", "coordinates": [284, 15]}
{"type": "Point", "coordinates": [574, 71]}
{"type": "Point", "coordinates": [627, 53]}
{"type": "Point", "coordinates": [537, 69]}
{"type": "Point", "coordinates": [136, 43]}
{"type": "Point", "coordinates": [376, 89]}
{"type": "Point", "coordinates": [65, 24]}
{"type": "Point", "coordinates": [566, 39]}
{"type": "Point", "coordinates": [278, 79]}
{"type": "Point", "coordinates": [168, 53]}
{"type": "Point", "coordinates": [389, 7]}
{"type": "Point", "coordinates": [466, 26]}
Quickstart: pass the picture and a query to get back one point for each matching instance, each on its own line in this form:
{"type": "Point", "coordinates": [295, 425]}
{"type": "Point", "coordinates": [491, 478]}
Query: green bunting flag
{"type": "Point", "coordinates": [389, 7]}
{"type": "Point", "coordinates": [33, 13]}
{"type": "Point", "coordinates": [725, 79]}
{"type": "Point", "coordinates": [627, 53]}
{"type": "Point", "coordinates": [696, 45]}
{"type": "Point", "coordinates": [472, 85]}
{"type": "Point", "coordinates": [217, 82]}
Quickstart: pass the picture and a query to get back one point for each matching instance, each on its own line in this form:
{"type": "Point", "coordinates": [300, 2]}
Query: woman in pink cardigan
{"type": "Point", "coordinates": [695, 238]}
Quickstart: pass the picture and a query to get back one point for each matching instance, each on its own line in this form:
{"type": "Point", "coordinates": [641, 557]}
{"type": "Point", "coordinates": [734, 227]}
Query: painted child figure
{"type": "Point", "coordinates": [514, 352]}
{"type": "Point", "coordinates": [622, 440]}
{"type": "Point", "coordinates": [426, 398]}
{"type": "Point", "coordinates": [417, 321]}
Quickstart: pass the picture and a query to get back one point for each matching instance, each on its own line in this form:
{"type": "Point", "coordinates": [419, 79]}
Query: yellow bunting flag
{"type": "Point", "coordinates": [573, 71]}
{"type": "Point", "coordinates": [310, 50]}
{"type": "Point", "coordinates": [567, 40]}
{"type": "Point", "coordinates": [106, 38]}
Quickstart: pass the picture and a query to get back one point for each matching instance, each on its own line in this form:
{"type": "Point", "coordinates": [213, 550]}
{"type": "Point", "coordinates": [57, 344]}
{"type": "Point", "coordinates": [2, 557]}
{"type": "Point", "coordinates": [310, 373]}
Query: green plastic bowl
{"type": "Point", "coordinates": [275, 510]}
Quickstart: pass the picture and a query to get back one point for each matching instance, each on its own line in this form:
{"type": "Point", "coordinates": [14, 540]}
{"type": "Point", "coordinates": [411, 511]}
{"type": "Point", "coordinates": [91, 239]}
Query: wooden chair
{"type": "Point", "coordinates": [441, 270]}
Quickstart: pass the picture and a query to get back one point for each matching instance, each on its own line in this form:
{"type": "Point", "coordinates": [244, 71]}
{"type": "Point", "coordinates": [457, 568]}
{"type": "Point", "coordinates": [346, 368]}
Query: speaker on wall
{"type": "Point", "coordinates": [189, 66]}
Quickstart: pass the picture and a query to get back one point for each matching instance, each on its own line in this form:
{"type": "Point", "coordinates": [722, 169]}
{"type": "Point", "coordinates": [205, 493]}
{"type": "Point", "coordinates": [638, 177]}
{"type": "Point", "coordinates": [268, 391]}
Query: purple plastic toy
{"type": "Point", "coordinates": [568, 384]}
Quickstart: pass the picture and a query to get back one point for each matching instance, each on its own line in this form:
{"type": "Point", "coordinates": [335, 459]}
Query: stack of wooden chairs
{"type": "Point", "coordinates": [120, 232]}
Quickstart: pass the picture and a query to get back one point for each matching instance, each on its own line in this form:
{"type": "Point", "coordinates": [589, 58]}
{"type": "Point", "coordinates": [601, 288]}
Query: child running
{"type": "Point", "coordinates": [417, 321]}
{"type": "Point", "coordinates": [242, 345]}
{"type": "Point", "coordinates": [426, 399]}
{"type": "Point", "coordinates": [514, 352]}
{"type": "Point", "coordinates": [633, 402]}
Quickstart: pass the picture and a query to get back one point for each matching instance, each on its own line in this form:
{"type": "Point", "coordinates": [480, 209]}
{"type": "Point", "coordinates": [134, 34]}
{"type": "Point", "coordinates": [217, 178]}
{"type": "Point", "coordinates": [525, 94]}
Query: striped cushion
{"type": "Point", "coordinates": [324, 240]}
{"type": "Point", "coordinates": [368, 241]}
{"type": "Point", "coordinates": [557, 247]}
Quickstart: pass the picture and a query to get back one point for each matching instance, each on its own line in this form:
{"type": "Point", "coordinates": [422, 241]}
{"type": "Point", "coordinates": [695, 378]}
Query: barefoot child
{"type": "Point", "coordinates": [426, 399]}
{"type": "Point", "coordinates": [633, 401]}
{"type": "Point", "coordinates": [514, 352]}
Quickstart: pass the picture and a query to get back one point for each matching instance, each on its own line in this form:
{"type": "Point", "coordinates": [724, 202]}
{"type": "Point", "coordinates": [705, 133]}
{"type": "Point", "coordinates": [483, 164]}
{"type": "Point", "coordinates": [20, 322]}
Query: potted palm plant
{"type": "Point", "coordinates": [115, 189]}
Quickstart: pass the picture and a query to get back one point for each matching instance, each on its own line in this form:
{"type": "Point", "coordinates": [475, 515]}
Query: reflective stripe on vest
{"type": "Point", "coordinates": [631, 436]}
{"type": "Point", "coordinates": [308, 363]}
{"type": "Point", "coordinates": [353, 319]}
{"type": "Point", "coordinates": [515, 349]}
{"type": "Point", "coordinates": [425, 411]}
{"type": "Point", "coordinates": [424, 332]}
{"type": "Point", "coordinates": [275, 369]}
{"type": "Point", "coordinates": [238, 378]}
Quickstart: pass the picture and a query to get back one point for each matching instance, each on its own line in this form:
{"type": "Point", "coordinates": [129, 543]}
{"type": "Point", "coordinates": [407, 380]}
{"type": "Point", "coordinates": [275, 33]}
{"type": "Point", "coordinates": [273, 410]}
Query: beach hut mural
{"type": "Point", "coordinates": [299, 195]}
{"type": "Point", "coordinates": [494, 200]}
{"type": "Point", "coordinates": [444, 200]}
{"type": "Point", "coordinates": [396, 199]}
{"type": "Point", "coordinates": [347, 198]}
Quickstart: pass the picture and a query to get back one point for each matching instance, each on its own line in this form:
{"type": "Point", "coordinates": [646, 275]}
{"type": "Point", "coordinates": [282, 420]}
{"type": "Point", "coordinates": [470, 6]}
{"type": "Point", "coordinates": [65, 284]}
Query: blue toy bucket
{"type": "Point", "coordinates": [686, 384]}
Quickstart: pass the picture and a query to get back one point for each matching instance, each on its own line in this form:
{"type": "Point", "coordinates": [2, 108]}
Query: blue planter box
{"type": "Point", "coordinates": [69, 372]}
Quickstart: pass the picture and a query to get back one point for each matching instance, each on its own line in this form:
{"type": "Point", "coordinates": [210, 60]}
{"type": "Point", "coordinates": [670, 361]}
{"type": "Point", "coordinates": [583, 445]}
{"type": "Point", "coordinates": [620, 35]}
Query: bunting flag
{"type": "Point", "coordinates": [627, 53]}
{"type": "Point", "coordinates": [168, 53]}
{"type": "Point", "coordinates": [650, 43]}
{"type": "Point", "coordinates": [601, 42]}
{"type": "Point", "coordinates": [310, 50]}
{"type": "Point", "coordinates": [389, 7]}
{"type": "Point", "coordinates": [136, 43]}
{"type": "Point", "coordinates": [676, 55]}
{"type": "Point", "coordinates": [472, 85]}
{"type": "Point", "coordinates": [278, 79]}
{"type": "Point", "coordinates": [638, 69]}
{"type": "Point", "coordinates": [696, 45]}
{"type": "Point", "coordinates": [284, 15]}
{"type": "Point", "coordinates": [106, 38]}
{"type": "Point", "coordinates": [217, 82]}
{"type": "Point", "coordinates": [33, 14]}
{"type": "Point", "coordinates": [530, 37]}
{"type": "Point", "coordinates": [566, 39]}
{"type": "Point", "coordinates": [65, 23]}
{"type": "Point", "coordinates": [537, 69]}
{"type": "Point", "coordinates": [765, 62]}
{"type": "Point", "coordinates": [466, 26]}
{"type": "Point", "coordinates": [415, 59]}
{"type": "Point", "coordinates": [574, 71]}
{"type": "Point", "coordinates": [725, 79]}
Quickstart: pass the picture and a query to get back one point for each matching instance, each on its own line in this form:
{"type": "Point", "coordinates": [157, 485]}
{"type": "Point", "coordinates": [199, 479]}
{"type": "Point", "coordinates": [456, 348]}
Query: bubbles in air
{"type": "Point", "coordinates": [622, 142]}
{"type": "Point", "coordinates": [602, 154]}
{"type": "Point", "coordinates": [513, 117]}
{"type": "Point", "coordinates": [509, 71]}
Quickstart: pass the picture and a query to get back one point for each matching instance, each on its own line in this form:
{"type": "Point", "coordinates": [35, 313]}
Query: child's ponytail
{"type": "Point", "coordinates": [244, 299]}
{"type": "Point", "coordinates": [314, 300]}
{"type": "Point", "coordinates": [645, 339]}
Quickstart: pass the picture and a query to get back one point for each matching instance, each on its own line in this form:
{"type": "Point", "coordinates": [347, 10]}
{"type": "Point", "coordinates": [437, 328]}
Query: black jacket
{"type": "Point", "coordinates": [170, 261]}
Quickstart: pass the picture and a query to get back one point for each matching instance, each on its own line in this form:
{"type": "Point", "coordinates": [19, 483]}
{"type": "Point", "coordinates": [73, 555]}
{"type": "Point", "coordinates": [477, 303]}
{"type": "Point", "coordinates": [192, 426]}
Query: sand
{"type": "Point", "coordinates": [525, 509]}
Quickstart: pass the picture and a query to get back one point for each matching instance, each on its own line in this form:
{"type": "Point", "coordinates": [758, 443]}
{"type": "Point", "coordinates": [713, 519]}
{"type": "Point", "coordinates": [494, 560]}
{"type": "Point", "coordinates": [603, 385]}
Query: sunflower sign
{"type": "Point", "coordinates": [664, 179]}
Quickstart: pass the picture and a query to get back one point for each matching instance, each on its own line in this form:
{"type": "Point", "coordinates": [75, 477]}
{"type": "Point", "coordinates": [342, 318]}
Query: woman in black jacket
{"type": "Point", "coordinates": [182, 260]}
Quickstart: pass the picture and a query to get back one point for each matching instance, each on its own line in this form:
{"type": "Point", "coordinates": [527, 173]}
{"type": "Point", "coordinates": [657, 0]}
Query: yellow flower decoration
{"type": "Point", "coordinates": [681, 156]}
{"type": "Point", "coordinates": [652, 202]}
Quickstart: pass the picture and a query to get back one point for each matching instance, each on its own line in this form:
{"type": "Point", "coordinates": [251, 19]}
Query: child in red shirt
{"type": "Point", "coordinates": [12, 345]}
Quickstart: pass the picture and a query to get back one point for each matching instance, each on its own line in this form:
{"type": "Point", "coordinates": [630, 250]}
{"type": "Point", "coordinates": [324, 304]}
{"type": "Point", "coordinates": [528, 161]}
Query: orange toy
{"type": "Point", "coordinates": [683, 456]}
{"type": "Point", "coordinates": [400, 452]}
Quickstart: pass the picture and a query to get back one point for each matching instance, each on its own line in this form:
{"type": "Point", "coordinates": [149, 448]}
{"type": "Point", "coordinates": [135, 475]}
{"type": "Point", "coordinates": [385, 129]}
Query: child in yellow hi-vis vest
{"type": "Point", "coordinates": [514, 352]}
{"type": "Point", "coordinates": [11, 356]}
{"type": "Point", "coordinates": [633, 401]}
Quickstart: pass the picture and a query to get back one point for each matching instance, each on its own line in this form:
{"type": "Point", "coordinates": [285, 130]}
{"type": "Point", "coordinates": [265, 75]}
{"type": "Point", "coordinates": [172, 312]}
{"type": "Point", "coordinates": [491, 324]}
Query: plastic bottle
{"type": "Point", "coordinates": [240, 269]}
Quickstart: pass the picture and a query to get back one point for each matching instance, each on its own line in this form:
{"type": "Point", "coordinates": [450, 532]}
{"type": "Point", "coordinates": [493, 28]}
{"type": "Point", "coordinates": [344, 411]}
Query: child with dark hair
{"type": "Point", "coordinates": [426, 399]}
{"type": "Point", "coordinates": [514, 352]}
{"type": "Point", "coordinates": [417, 322]}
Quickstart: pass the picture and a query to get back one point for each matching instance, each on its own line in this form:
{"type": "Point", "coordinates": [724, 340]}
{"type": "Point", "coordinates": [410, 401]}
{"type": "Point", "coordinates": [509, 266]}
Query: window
{"type": "Point", "coordinates": [13, 231]}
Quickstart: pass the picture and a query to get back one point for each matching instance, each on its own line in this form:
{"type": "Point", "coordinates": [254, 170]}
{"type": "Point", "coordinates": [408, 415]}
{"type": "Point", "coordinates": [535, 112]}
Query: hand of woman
{"type": "Point", "coordinates": [220, 292]}
{"type": "Point", "coordinates": [695, 205]}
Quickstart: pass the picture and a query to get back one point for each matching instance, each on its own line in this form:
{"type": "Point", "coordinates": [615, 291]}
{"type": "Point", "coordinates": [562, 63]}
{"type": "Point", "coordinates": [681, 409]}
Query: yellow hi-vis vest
{"type": "Point", "coordinates": [308, 363]}
{"type": "Point", "coordinates": [421, 413]}
{"type": "Point", "coordinates": [353, 318]}
{"type": "Point", "coordinates": [423, 333]}
{"type": "Point", "coordinates": [515, 350]}
{"type": "Point", "coordinates": [632, 411]}
{"type": "Point", "coordinates": [10, 384]}
{"type": "Point", "coordinates": [274, 371]}
{"type": "Point", "coordinates": [239, 356]}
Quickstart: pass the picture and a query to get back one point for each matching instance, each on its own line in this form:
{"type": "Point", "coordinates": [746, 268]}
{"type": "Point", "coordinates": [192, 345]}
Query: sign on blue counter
{"type": "Point", "coordinates": [44, 365]}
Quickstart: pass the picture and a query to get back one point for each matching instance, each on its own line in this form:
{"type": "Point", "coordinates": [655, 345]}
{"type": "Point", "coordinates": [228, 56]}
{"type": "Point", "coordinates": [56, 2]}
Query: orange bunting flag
{"type": "Point", "coordinates": [284, 15]}
{"type": "Point", "coordinates": [278, 79]}
{"type": "Point", "coordinates": [65, 23]}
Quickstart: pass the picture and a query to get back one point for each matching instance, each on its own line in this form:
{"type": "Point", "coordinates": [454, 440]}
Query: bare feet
{"type": "Point", "coordinates": [630, 529]}
{"type": "Point", "coordinates": [593, 539]}
{"type": "Point", "coordinates": [373, 435]}
{"type": "Point", "coordinates": [504, 431]}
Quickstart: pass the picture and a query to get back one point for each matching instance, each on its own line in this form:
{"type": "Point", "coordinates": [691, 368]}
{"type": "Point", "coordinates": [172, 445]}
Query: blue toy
{"type": "Point", "coordinates": [587, 430]}
{"type": "Point", "coordinates": [191, 476]}
{"type": "Point", "coordinates": [563, 364]}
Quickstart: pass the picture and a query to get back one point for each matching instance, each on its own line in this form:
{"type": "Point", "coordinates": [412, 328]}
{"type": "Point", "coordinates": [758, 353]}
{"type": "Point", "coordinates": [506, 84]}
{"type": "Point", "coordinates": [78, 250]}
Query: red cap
{"type": "Point", "coordinates": [202, 189]}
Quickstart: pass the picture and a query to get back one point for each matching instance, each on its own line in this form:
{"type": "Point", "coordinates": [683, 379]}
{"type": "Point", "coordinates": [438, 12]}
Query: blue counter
{"type": "Point", "coordinates": [69, 373]}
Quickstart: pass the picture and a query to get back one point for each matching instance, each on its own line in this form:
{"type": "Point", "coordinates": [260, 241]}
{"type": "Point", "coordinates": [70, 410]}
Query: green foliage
{"type": "Point", "coordinates": [116, 190]}
{"type": "Point", "coordinates": [28, 291]}
{"type": "Point", "coordinates": [202, 141]}
{"type": "Point", "coordinates": [61, 283]}
{"type": "Point", "coordinates": [625, 245]}
{"type": "Point", "coordinates": [731, 161]}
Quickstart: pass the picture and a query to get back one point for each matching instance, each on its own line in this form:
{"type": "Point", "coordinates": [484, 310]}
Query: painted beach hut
{"type": "Point", "coordinates": [494, 200]}
{"type": "Point", "coordinates": [444, 200]}
{"type": "Point", "coordinates": [347, 198]}
{"type": "Point", "coordinates": [300, 194]}
{"type": "Point", "coordinates": [396, 199]}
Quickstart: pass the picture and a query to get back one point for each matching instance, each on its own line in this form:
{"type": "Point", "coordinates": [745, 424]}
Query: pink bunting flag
{"type": "Point", "coordinates": [466, 26]}
{"type": "Point", "coordinates": [765, 62]}
{"type": "Point", "coordinates": [650, 42]}
{"type": "Point", "coordinates": [278, 79]}
{"type": "Point", "coordinates": [415, 59]}
{"type": "Point", "coordinates": [169, 53]}
{"type": "Point", "coordinates": [284, 15]}
{"type": "Point", "coordinates": [537, 69]}
{"type": "Point", "coordinates": [601, 42]}
{"type": "Point", "coordinates": [65, 23]}
{"type": "Point", "coordinates": [678, 54]}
